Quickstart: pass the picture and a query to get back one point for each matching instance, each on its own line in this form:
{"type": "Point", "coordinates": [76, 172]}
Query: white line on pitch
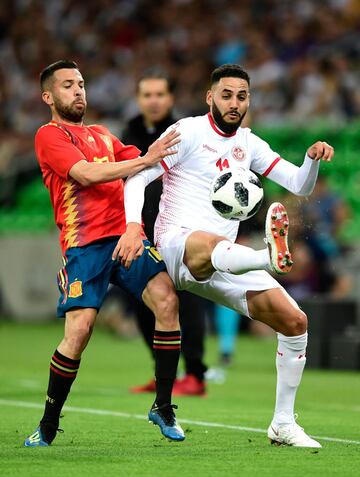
{"type": "Point", "coordinates": [103, 412]}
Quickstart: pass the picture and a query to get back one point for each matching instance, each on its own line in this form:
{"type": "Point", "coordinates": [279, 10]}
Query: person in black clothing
{"type": "Point", "coordinates": [155, 100]}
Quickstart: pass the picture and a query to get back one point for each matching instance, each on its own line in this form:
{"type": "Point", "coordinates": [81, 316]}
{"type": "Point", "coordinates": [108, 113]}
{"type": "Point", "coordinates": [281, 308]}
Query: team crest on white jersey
{"type": "Point", "coordinates": [238, 153]}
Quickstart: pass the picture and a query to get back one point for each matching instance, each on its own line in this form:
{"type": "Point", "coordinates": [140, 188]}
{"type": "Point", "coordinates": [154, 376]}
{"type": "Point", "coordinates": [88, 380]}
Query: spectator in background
{"type": "Point", "coordinates": [227, 327]}
{"type": "Point", "coordinates": [155, 100]}
{"type": "Point", "coordinates": [186, 38]}
{"type": "Point", "coordinates": [317, 245]}
{"type": "Point", "coordinates": [325, 213]}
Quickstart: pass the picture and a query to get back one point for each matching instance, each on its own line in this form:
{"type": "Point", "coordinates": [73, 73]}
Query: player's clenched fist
{"type": "Point", "coordinates": [321, 150]}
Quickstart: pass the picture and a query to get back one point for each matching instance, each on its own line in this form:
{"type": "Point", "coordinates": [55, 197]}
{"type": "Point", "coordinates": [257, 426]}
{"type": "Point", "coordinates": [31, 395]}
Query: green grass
{"type": "Point", "coordinates": [110, 445]}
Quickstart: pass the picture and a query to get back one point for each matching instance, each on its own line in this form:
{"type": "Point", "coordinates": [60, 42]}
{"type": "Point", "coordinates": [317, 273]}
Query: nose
{"type": "Point", "coordinates": [234, 103]}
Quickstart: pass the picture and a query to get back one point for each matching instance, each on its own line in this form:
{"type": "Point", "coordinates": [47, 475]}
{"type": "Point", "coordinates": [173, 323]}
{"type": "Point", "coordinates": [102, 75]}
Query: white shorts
{"type": "Point", "coordinates": [222, 288]}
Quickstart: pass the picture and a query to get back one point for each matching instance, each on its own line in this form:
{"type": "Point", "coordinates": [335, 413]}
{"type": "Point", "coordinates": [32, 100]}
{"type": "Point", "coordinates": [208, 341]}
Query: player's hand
{"type": "Point", "coordinates": [162, 147]}
{"type": "Point", "coordinates": [130, 246]}
{"type": "Point", "coordinates": [321, 151]}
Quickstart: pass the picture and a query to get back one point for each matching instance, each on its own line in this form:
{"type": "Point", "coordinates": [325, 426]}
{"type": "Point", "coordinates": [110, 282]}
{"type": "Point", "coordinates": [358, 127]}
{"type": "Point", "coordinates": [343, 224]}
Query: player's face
{"type": "Point", "coordinates": [154, 99]}
{"type": "Point", "coordinates": [229, 101]}
{"type": "Point", "coordinates": [67, 96]}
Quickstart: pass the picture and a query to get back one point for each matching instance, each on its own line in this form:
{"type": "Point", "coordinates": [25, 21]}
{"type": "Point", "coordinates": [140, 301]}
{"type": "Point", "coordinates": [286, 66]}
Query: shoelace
{"type": "Point", "coordinates": [167, 413]}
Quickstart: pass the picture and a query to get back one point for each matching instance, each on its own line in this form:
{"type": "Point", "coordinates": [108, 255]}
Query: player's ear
{"type": "Point", "coordinates": [47, 98]}
{"type": "Point", "coordinates": [209, 97]}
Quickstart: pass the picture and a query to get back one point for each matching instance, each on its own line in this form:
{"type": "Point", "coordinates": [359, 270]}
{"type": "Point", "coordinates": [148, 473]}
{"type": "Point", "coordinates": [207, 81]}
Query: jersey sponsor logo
{"type": "Point", "coordinates": [101, 160]}
{"type": "Point", "coordinates": [205, 146]}
{"type": "Point", "coordinates": [238, 153]}
{"type": "Point", "coordinates": [75, 289]}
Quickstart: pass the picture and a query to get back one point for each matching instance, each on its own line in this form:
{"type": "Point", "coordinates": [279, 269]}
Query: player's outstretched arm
{"type": "Point", "coordinates": [90, 173]}
{"type": "Point", "coordinates": [301, 180]}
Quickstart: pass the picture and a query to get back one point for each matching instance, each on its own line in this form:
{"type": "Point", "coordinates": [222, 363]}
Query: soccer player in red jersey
{"type": "Point", "coordinates": [83, 167]}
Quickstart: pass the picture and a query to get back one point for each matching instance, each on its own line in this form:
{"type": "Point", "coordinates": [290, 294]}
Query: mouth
{"type": "Point", "coordinates": [233, 115]}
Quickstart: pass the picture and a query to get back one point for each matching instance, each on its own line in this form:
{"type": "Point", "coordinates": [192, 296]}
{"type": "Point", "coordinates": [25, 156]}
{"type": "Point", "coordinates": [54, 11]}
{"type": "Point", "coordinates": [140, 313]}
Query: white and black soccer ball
{"type": "Point", "coordinates": [236, 194]}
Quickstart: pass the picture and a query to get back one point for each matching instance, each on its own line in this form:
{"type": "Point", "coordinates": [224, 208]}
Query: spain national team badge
{"type": "Point", "coordinates": [75, 289]}
{"type": "Point", "coordinates": [238, 153]}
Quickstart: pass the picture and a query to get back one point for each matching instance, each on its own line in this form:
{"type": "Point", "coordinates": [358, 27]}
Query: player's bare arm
{"type": "Point", "coordinates": [89, 173]}
{"type": "Point", "coordinates": [321, 151]}
{"type": "Point", "coordinates": [130, 246]}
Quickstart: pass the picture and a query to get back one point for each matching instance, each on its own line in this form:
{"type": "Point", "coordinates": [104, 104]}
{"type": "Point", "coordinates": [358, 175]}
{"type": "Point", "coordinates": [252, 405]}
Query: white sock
{"type": "Point", "coordinates": [290, 363]}
{"type": "Point", "coordinates": [234, 258]}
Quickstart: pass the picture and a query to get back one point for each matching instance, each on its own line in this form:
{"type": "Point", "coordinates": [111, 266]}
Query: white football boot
{"type": "Point", "coordinates": [290, 435]}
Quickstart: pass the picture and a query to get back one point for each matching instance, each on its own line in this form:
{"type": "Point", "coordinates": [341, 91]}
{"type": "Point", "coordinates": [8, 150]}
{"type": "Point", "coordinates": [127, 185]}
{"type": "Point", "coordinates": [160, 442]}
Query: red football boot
{"type": "Point", "coordinates": [149, 387]}
{"type": "Point", "coordinates": [189, 385]}
{"type": "Point", "coordinates": [276, 232]}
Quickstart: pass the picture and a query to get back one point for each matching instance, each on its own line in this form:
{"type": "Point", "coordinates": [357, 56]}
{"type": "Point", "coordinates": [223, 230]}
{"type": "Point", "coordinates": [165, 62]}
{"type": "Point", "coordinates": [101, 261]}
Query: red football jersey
{"type": "Point", "coordinates": [83, 214]}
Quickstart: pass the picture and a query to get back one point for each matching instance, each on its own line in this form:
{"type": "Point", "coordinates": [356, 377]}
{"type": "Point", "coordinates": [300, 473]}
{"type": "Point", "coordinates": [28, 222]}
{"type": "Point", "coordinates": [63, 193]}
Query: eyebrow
{"type": "Point", "coordinates": [225, 90]}
{"type": "Point", "coordinates": [73, 81]}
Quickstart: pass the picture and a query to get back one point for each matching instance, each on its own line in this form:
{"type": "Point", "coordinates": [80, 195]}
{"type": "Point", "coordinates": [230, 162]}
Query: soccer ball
{"type": "Point", "coordinates": [236, 194]}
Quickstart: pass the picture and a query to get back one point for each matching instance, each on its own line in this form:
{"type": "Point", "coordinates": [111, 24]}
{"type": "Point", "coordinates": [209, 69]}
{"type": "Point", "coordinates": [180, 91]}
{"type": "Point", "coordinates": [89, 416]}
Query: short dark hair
{"type": "Point", "coordinates": [156, 73]}
{"type": "Point", "coordinates": [48, 72]}
{"type": "Point", "coordinates": [229, 71]}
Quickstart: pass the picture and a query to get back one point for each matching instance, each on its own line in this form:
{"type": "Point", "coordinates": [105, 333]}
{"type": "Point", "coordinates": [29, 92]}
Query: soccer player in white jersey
{"type": "Point", "coordinates": [198, 245]}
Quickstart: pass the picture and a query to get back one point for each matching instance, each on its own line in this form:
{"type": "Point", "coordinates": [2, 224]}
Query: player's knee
{"type": "Point", "coordinates": [79, 332]}
{"type": "Point", "coordinates": [297, 323]}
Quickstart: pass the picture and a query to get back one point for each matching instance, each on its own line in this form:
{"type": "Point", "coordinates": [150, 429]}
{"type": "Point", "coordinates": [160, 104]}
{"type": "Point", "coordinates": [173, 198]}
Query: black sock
{"type": "Point", "coordinates": [166, 346]}
{"type": "Point", "coordinates": [63, 372]}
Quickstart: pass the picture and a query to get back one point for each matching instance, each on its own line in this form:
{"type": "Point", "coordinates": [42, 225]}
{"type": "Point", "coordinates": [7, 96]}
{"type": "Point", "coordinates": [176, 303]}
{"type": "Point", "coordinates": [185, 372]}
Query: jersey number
{"type": "Point", "coordinates": [153, 253]}
{"type": "Point", "coordinates": [222, 164]}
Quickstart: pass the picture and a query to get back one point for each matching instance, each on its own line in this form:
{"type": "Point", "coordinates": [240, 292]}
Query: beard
{"type": "Point", "coordinates": [227, 128]}
{"type": "Point", "coordinates": [69, 113]}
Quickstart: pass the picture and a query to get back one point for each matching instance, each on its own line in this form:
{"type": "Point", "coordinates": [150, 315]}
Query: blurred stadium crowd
{"type": "Point", "coordinates": [303, 57]}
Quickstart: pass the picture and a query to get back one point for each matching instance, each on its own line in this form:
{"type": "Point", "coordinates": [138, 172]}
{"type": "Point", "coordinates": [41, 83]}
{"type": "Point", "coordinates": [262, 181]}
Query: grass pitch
{"type": "Point", "coordinates": [106, 430]}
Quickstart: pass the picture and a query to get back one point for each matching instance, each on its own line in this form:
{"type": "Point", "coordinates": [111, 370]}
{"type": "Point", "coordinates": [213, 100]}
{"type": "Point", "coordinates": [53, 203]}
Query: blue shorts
{"type": "Point", "coordinates": [84, 279]}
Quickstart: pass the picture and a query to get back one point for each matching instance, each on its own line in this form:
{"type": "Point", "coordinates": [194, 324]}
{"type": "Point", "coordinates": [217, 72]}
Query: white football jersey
{"type": "Point", "coordinates": [203, 152]}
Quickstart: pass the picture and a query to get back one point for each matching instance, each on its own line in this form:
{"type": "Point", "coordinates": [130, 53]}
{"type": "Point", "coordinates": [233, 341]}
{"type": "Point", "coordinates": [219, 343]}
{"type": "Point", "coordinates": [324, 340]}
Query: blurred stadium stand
{"type": "Point", "coordinates": [304, 62]}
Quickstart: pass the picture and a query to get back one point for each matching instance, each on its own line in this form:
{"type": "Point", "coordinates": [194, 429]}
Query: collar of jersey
{"type": "Point", "coordinates": [216, 129]}
{"type": "Point", "coordinates": [64, 125]}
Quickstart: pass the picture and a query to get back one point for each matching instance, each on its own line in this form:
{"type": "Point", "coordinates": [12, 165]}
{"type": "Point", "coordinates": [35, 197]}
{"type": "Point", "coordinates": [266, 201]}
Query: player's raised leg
{"type": "Point", "coordinates": [206, 252]}
{"type": "Point", "coordinates": [159, 295]}
{"type": "Point", "coordinates": [64, 366]}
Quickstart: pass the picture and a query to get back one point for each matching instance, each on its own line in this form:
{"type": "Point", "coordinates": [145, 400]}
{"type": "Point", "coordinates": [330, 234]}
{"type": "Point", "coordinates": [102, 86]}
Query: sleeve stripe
{"type": "Point", "coordinates": [163, 163]}
{"type": "Point", "coordinates": [271, 167]}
